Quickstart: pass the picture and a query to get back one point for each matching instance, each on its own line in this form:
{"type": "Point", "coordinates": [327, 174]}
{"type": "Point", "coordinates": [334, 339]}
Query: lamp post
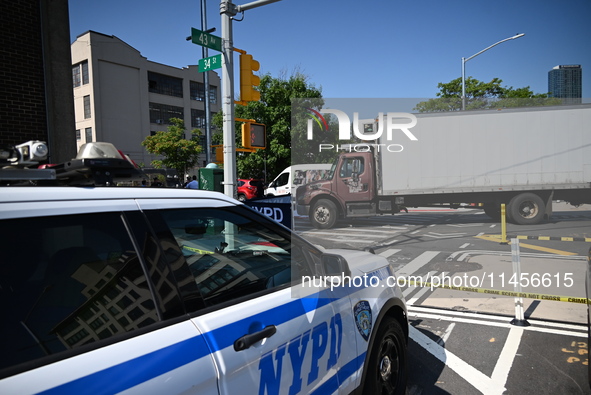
{"type": "Point", "coordinates": [464, 60]}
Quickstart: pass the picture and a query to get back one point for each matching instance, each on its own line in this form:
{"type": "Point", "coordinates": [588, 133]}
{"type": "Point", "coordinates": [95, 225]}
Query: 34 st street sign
{"type": "Point", "coordinates": [213, 62]}
{"type": "Point", "coordinates": [206, 40]}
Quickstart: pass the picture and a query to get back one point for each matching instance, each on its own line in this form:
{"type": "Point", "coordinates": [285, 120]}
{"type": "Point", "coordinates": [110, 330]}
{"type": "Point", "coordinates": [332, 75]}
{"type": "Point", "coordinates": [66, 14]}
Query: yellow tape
{"type": "Point", "coordinates": [527, 295]}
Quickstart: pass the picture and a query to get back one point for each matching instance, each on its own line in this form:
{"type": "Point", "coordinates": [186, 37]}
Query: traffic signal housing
{"type": "Point", "coordinates": [248, 81]}
{"type": "Point", "coordinates": [254, 135]}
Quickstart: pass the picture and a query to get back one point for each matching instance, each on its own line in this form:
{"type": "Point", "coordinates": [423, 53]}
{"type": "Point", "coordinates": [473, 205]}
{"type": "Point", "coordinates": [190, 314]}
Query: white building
{"type": "Point", "coordinates": [120, 97]}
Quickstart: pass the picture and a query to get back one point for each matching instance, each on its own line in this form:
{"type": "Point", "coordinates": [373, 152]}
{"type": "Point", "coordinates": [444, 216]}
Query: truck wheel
{"type": "Point", "coordinates": [323, 214]}
{"type": "Point", "coordinates": [386, 369]}
{"type": "Point", "coordinates": [526, 209]}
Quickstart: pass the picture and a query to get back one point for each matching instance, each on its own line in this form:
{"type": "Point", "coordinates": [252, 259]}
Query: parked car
{"type": "Point", "coordinates": [250, 189]}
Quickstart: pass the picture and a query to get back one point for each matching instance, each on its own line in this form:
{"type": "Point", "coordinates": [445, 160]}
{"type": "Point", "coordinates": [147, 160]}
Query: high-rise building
{"type": "Point", "coordinates": [565, 82]}
{"type": "Point", "coordinates": [121, 97]}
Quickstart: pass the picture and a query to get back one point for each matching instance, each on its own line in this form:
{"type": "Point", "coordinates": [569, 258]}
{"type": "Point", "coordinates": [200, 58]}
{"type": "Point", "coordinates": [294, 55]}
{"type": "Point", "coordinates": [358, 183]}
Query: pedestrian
{"type": "Point", "coordinates": [156, 182]}
{"type": "Point", "coordinates": [194, 184]}
{"type": "Point", "coordinates": [187, 182]}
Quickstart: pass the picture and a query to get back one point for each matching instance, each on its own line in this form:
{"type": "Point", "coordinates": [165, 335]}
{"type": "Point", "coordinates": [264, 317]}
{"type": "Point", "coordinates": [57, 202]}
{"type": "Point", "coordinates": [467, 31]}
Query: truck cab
{"type": "Point", "coordinates": [350, 190]}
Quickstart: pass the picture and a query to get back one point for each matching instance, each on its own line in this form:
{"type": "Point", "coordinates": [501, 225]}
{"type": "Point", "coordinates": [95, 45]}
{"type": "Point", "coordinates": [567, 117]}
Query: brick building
{"type": "Point", "coordinates": [36, 100]}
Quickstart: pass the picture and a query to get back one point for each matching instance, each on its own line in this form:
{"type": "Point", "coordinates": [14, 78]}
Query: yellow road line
{"type": "Point", "coordinates": [497, 238]}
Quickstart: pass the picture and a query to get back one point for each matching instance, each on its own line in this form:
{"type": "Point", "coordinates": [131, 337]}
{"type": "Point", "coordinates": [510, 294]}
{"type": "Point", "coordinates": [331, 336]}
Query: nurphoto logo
{"type": "Point", "coordinates": [388, 123]}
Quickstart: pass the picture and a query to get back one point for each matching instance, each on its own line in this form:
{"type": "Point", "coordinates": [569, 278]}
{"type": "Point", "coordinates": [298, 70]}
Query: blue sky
{"type": "Point", "coordinates": [365, 49]}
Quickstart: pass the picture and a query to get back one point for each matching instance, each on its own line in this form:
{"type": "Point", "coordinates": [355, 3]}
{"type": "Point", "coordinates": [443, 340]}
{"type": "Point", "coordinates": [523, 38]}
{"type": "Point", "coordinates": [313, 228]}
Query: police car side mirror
{"type": "Point", "coordinates": [335, 265]}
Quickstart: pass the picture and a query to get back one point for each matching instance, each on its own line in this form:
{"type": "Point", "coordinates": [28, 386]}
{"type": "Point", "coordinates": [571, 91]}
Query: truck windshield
{"type": "Point", "coordinates": [332, 169]}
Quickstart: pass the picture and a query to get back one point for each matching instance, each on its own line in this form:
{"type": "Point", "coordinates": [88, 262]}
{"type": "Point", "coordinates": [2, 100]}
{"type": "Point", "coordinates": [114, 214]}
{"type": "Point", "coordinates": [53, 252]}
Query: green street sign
{"type": "Point", "coordinates": [213, 62]}
{"type": "Point", "coordinates": [206, 40]}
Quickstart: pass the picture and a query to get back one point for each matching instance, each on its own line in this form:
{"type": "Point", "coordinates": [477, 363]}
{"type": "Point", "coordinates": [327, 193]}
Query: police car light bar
{"type": "Point", "coordinates": [97, 164]}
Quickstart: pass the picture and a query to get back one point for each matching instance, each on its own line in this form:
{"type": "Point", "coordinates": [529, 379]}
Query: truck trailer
{"type": "Point", "coordinates": [524, 158]}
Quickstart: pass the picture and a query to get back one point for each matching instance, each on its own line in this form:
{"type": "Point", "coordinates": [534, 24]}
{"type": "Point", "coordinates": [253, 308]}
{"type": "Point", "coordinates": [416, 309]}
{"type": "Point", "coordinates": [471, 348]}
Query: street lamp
{"type": "Point", "coordinates": [464, 60]}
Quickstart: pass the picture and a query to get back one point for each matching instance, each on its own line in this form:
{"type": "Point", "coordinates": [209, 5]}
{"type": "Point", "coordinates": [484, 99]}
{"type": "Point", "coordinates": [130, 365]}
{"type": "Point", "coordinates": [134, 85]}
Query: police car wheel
{"type": "Point", "coordinates": [386, 370]}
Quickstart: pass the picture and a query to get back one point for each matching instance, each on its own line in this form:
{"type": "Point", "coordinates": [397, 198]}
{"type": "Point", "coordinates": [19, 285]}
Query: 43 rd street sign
{"type": "Point", "coordinates": [206, 40]}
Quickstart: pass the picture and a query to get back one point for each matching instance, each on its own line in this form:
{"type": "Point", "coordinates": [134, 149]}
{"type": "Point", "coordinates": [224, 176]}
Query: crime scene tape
{"type": "Point", "coordinates": [526, 295]}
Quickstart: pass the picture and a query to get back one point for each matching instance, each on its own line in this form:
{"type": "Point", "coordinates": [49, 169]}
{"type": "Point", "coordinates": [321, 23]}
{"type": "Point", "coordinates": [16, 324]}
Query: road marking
{"type": "Point", "coordinates": [418, 294]}
{"type": "Point", "coordinates": [449, 314]}
{"type": "Point", "coordinates": [505, 361]}
{"type": "Point", "coordinates": [443, 235]}
{"type": "Point", "coordinates": [472, 375]}
{"type": "Point", "coordinates": [446, 334]}
{"type": "Point", "coordinates": [417, 263]}
{"type": "Point", "coordinates": [466, 253]}
{"type": "Point", "coordinates": [497, 238]}
{"type": "Point", "coordinates": [567, 329]}
{"type": "Point", "coordinates": [388, 253]}
{"type": "Point", "coordinates": [465, 245]}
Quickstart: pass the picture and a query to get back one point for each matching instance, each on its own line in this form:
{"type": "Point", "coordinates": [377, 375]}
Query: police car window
{"type": "Point", "coordinates": [66, 282]}
{"type": "Point", "coordinates": [231, 253]}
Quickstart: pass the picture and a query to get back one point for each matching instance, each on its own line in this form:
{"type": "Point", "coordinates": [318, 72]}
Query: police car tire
{"type": "Point", "coordinates": [387, 365]}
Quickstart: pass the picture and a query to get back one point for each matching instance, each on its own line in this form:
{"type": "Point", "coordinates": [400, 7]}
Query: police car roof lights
{"type": "Point", "coordinates": [15, 159]}
{"type": "Point", "coordinates": [96, 164]}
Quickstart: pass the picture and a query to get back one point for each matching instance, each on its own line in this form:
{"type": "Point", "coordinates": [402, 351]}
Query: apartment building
{"type": "Point", "coordinates": [121, 97]}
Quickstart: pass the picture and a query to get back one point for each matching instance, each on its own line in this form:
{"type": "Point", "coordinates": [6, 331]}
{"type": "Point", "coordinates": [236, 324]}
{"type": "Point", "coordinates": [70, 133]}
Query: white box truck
{"type": "Point", "coordinates": [295, 176]}
{"type": "Point", "coordinates": [524, 158]}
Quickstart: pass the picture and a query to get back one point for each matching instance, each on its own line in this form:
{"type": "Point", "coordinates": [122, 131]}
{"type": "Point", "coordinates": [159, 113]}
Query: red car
{"type": "Point", "coordinates": [250, 189]}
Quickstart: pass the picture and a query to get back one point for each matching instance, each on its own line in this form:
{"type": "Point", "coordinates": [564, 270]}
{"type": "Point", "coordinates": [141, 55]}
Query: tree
{"type": "Point", "coordinates": [273, 110]}
{"type": "Point", "coordinates": [177, 152]}
{"type": "Point", "coordinates": [482, 95]}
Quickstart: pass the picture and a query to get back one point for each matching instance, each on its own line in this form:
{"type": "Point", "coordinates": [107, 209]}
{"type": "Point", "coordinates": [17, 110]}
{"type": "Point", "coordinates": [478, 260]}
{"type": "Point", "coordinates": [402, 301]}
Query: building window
{"type": "Point", "coordinates": [85, 78]}
{"type": "Point", "coordinates": [78, 136]}
{"type": "Point", "coordinates": [165, 84]}
{"type": "Point", "coordinates": [198, 92]}
{"type": "Point", "coordinates": [161, 113]}
{"type": "Point", "coordinates": [80, 74]}
{"type": "Point", "coordinates": [86, 107]}
{"type": "Point", "coordinates": [213, 94]}
{"type": "Point", "coordinates": [88, 132]}
{"type": "Point", "coordinates": [197, 118]}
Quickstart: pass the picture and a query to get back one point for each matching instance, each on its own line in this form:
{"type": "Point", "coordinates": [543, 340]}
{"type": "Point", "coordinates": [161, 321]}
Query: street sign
{"type": "Point", "coordinates": [213, 62]}
{"type": "Point", "coordinates": [206, 40]}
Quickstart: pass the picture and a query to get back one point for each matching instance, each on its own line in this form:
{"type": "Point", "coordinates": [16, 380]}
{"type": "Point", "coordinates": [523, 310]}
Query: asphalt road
{"type": "Point", "coordinates": [472, 339]}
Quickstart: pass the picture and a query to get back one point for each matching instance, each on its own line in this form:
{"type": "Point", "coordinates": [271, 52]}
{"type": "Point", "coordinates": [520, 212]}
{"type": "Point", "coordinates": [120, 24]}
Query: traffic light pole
{"type": "Point", "coordinates": [227, 11]}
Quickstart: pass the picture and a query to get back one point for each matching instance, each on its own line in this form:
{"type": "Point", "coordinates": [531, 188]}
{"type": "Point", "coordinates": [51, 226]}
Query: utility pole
{"type": "Point", "coordinates": [228, 10]}
{"type": "Point", "coordinates": [205, 54]}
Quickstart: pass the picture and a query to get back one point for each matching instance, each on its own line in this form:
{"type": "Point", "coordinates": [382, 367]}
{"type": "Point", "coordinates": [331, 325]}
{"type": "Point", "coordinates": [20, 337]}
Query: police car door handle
{"type": "Point", "coordinates": [248, 340]}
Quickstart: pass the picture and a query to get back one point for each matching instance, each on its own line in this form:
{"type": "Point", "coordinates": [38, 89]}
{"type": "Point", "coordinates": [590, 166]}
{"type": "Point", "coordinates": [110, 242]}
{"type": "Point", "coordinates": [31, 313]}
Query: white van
{"type": "Point", "coordinates": [294, 176]}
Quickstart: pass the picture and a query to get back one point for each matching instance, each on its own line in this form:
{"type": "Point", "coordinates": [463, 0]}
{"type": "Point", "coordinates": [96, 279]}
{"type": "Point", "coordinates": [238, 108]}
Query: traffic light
{"type": "Point", "coordinates": [254, 135]}
{"type": "Point", "coordinates": [219, 154]}
{"type": "Point", "coordinates": [248, 81]}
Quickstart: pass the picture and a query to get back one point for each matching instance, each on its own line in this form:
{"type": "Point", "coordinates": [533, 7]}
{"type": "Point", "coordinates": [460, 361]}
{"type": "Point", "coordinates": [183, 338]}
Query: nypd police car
{"type": "Point", "coordinates": [156, 290]}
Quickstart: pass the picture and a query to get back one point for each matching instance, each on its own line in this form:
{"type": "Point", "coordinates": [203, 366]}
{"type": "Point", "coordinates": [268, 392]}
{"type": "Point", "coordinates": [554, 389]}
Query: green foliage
{"type": "Point", "coordinates": [273, 110]}
{"type": "Point", "coordinates": [482, 95]}
{"type": "Point", "coordinates": [177, 152]}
